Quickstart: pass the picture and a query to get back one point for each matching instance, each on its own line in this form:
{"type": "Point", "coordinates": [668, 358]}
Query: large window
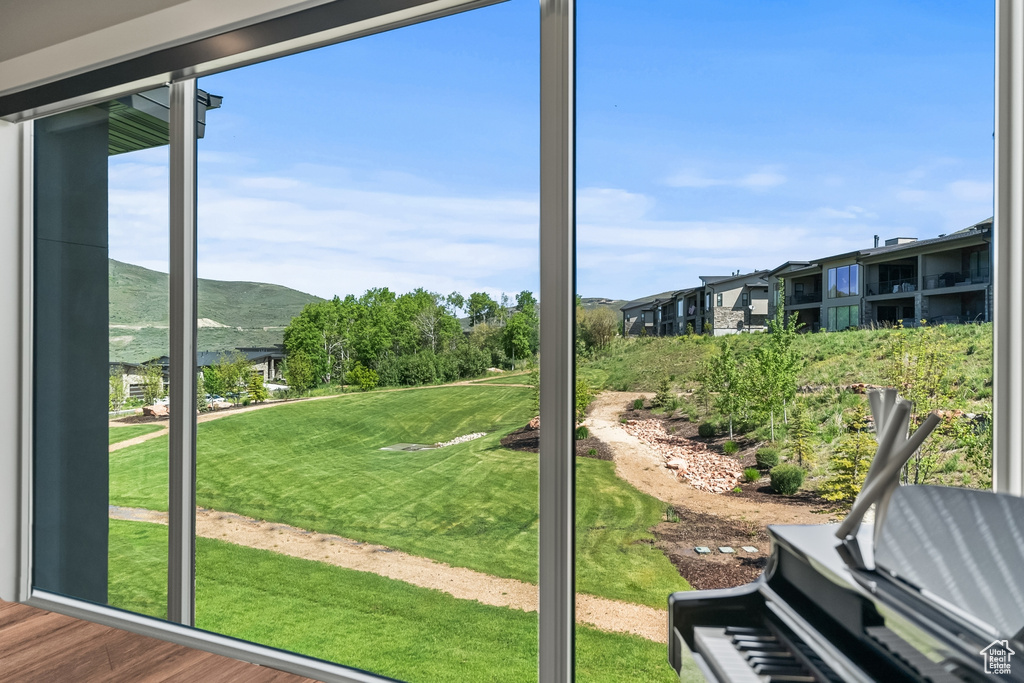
{"type": "Point", "coordinates": [361, 211]}
{"type": "Point", "coordinates": [844, 281]}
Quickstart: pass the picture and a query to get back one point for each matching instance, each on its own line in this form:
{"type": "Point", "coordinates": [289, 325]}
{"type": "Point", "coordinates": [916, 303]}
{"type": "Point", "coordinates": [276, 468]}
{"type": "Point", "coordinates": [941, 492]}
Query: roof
{"type": "Point", "coordinates": [979, 229]}
{"type": "Point", "coordinates": [757, 277]}
{"type": "Point", "coordinates": [642, 301]}
{"type": "Point", "coordinates": [788, 264]}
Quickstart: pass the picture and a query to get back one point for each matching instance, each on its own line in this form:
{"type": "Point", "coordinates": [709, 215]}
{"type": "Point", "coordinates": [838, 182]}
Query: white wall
{"type": "Point", "coordinates": [45, 40]}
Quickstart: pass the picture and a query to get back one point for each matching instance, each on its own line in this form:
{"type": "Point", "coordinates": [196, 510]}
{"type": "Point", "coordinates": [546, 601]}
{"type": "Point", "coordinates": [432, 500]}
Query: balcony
{"type": "Point", "coordinates": [954, 279]}
{"type": "Point", "coordinates": [807, 298]}
{"type": "Point", "coordinates": [897, 286]}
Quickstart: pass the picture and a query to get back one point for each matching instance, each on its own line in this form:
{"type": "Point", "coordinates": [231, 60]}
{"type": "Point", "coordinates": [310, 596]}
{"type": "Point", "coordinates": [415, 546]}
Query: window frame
{"type": "Point", "coordinates": [556, 618]}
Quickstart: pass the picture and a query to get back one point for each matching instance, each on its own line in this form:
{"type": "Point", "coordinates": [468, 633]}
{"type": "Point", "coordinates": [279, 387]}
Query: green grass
{"type": "Point", "coordinates": [317, 465]}
{"type": "Point", "coordinates": [360, 619]}
{"type": "Point", "coordinates": [118, 434]}
{"type": "Point", "coordinates": [519, 378]}
{"type": "Point", "coordinates": [836, 358]}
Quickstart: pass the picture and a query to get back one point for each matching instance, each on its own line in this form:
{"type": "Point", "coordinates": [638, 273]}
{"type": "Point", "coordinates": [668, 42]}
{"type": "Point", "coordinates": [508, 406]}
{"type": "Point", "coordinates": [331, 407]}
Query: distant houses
{"type": "Point", "coordinates": [947, 279]}
{"type": "Point", "coordinates": [265, 360]}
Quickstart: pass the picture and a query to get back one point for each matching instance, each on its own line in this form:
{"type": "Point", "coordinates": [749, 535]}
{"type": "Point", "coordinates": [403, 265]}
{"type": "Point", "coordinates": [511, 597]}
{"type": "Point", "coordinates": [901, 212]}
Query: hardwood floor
{"type": "Point", "coordinates": [44, 647]}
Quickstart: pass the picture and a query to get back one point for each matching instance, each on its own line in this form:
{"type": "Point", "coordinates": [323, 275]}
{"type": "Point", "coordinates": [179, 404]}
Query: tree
{"type": "Point", "coordinates": [322, 332]}
{"type": "Point", "coordinates": [230, 374]}
{"type": "Point", "coordinates": [771, 375]}
{"type": "Point", "coordinates": [481, 308]}
{"type": "Point", "coordinates": [918, 367]}
{"type": "Point", "coordinates": [201, 402]}
{"type": "Point", "coordinates": [152, 383]}
{"type": "Point", "coordinates": [584, 395]}
{"type": "Point", "coordinates": [257, 391]}
{"type": "Point", "coordinates": [722, 375]}
{"type": "Point", "coordinates": [516, 337]}
{"type": "Point", "coordinates": [800, 434]}
{"type": "Point", "coordinates": [527, 305]}
{"type": "Point", "coordinates": [598, 327]}
{"type": "Point", "coordinates": [849, 465]}
{"type": "Point", "coordinates": [298, 372]}
{"type": "Point", "coordinates": [116, 397]}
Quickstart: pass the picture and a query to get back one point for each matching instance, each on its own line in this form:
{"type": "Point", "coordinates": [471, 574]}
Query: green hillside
{"type": "Point", "coordinates": [231, 314]}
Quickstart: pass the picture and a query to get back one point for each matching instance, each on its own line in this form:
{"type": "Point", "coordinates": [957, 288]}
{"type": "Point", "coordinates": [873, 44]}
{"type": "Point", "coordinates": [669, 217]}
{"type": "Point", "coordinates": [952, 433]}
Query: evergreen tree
{"type": "Point", "coordinates": [849, 465]}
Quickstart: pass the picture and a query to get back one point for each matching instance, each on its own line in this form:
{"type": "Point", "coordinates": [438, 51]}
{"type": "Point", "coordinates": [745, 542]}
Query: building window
{"type": "Point", "coordinates": [843, 281]}
{"type": "Point", "coordinates": [718, 300]}
{"type": "Point", "coordinates": [842, 317]}
{"type": "Point", "coordinates": [744, 299]}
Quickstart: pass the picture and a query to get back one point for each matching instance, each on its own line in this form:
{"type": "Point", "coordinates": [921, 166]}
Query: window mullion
{"type": "Point", "coordinates": [557, 344]}
{"type": "Point", "coordinates": [182, 443]}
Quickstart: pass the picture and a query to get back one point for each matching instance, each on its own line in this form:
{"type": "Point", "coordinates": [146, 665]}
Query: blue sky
{"type": "Point", "coordinates": [711, 137]}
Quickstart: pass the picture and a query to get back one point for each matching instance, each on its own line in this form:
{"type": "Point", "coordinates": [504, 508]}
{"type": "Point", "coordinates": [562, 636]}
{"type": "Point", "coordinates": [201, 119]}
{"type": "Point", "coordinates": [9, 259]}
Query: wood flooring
{"type": "Point", "coordinates": [45, 647]}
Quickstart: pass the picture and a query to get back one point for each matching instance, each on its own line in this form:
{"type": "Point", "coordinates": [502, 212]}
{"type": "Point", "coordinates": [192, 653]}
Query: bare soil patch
{"type": "Point", "coordinates": [459, 582]}
{"type": "Point", "coordinates": [526, 439]}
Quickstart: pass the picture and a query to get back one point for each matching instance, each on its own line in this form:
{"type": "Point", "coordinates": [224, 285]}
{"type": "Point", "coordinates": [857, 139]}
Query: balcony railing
{"type": "Point", "coordinates": [807, 298]}
{"type": "Point", "coordinates": [953, 279]}
{"type": "Point", "coordinates": [897, 286]}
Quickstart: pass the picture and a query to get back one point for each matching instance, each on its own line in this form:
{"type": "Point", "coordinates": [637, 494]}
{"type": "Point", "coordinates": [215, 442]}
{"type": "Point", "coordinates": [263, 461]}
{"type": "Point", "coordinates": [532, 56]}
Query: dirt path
{"type": "Point", "coordinates": [465, 584]}
{"type": "Point", "coordinates": [638, 464]}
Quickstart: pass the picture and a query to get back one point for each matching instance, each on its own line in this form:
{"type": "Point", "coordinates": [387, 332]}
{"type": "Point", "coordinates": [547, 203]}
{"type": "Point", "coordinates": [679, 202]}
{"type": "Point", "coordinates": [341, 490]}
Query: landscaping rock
{"type": "Point", "coordinates": [461, 439]}
{"type": "Point", "coordinates": [156, 411]}
{"type": "Point", "coordinates": [534, 423]}
{"type": "Point", "coordinates": [701, 468]}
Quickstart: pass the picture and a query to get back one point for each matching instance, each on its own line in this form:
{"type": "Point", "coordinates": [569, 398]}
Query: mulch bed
{"type": "Point", "coordinates": [526, 439]}
{"type": "Point", "coordinates": [141, 419]}
{"type": "Point", "coordinates": [678, 539]}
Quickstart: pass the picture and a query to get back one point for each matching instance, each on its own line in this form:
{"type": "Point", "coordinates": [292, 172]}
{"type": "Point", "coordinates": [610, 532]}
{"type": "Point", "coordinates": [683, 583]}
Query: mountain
{"type": "Point", "coordinates": [231, 314]}
{"type": "Point", "coordinates": [597, 301]}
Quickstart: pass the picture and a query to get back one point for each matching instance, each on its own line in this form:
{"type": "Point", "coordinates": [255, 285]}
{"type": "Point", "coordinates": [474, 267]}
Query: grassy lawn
{"type": "Point", "coordinates": [317, 465]}
{"type": "Point", "coordinates": [519, 378]}
{"type": "Point", "coordinates": [360, 619]}
{"type": "Point", "coordinates": [118, 434]}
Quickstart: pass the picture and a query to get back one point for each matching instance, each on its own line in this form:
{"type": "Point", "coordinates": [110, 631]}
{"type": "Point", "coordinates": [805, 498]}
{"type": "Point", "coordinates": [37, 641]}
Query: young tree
{"type": "Point", "coordinates": [116, 397]}
{"type": "Point", "coordinates": [257, 391]}
{"type": "Point", "coordinates": [363, 377]}
{"type": "Point", "coordinates": [918, 367]}
{"type": "Point", "coordinates": [201, 402]}
{"type": "Point", "coordinates": [800, 433]}
{"type": "Point", "coordinates": [724, 380]}
{"type": "Point", "coordinates": [152, 383]}
{"type": "Point", "coordinates": [298, 372]}
{"type": "Point", "coordinates": [849, 465]}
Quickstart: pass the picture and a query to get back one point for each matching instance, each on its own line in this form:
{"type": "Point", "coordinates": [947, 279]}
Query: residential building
{"type": "Point", "coordinates": [946, 279]}
{"type": "Point", "coordinates": [735, 303]}
{"type": "Point", "coordinates": [639, 315]}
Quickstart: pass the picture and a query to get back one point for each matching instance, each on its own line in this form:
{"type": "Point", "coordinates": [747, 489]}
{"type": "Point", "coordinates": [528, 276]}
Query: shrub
{"type": "Point", "coordinates": [706, 429]}
{"type": "Point", "coordinates": [751, 473]}
{"type": "Point", "coordinates": [582, 433]}
{"type": "Point", "coordinates": [584, 395]}
{"type": "Point", "coordinates": [730, 448]}
{"type": "Point", "coordinates": [638, 404]}
{"type": "Point", "coordinates": [767, 458]}
{"type": "Point", "coordinates": [786, 479]}
{"type": "Point", "coordinates": [591, 452]}
{"type": "Point", "coordinates": [363, 377]}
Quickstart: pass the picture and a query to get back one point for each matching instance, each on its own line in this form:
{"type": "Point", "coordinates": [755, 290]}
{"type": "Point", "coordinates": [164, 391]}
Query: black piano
{"type": "Point", "coordinates": [938, 596]}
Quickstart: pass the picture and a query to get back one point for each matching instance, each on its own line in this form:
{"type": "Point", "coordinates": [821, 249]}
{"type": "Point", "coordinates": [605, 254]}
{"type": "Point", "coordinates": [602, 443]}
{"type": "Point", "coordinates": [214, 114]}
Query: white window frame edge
{"type": "Point", "coordinates": [1008, 252]}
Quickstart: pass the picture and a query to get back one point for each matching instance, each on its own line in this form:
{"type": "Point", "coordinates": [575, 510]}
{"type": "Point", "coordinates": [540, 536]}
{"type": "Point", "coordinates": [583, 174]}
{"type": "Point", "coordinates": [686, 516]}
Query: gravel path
{"type": "Point", "coordinates": [644, 468]}
{"type": "Point", "coordinates": [465, 584]}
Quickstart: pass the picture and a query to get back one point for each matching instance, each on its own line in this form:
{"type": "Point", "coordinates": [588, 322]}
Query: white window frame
{"type": "Point", "coordinates": [557, 248]}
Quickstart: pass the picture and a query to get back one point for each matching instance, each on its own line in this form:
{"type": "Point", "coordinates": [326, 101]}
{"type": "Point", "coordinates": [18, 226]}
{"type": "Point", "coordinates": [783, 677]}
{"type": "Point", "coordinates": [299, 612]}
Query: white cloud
{"type": "Point", "coordinates": [331, 239]}
{"type": "Point", "coordinates": [761, 180]}
{"type": "Point", "coordinates": [971, 190]}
